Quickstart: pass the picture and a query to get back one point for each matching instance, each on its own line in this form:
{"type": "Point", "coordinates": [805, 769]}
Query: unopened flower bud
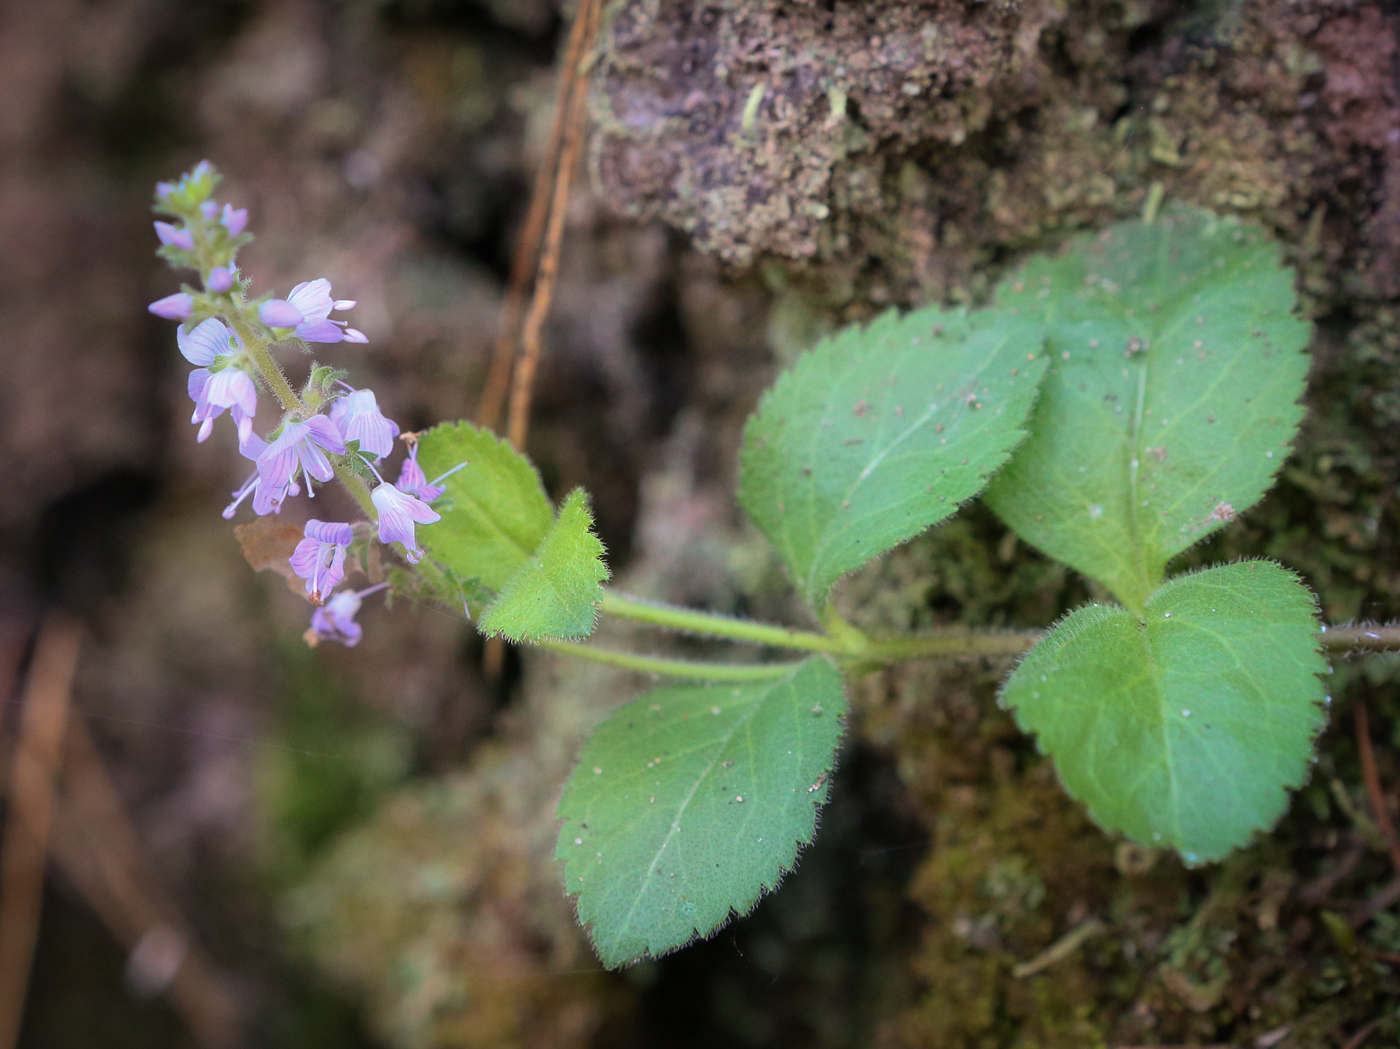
{"type": "Point", "coordinates": [220, 279]}
{"type": "Point", "coordinates": [234, 219]}
{"type": "Point", "coordinates": [175, 307]}
{"type": "Point", "coordinates": [174, 236]}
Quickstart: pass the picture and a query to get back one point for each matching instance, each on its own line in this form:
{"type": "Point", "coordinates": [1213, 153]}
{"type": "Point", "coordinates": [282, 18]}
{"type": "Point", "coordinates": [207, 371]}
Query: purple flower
{"type": "Point", "coordinates": [174, 236]}
{"type": "Point", "coordinates": [265, 500]}
{"type": "Point", "coordinates": [308, 310]}
{"type": "Point", "coordinates": [358, 416]}
{"type": "Point", "coordinates": [234, 219]}
{"type": "Point", "coordinates": [320, 557]}
{"type": "Point", "coordinates": [303, 447]}
{"type": "Point", "coordinates": [164, 189]}
{"type": "Point", "coordinates": [208, 340]}
{"type": "Point", "coordinates": [209, 210]}
{"type": "Point", "coordinates": [414, 481]}
{"type": "Point", "coordinates": [228, 389]}
{"type": "Point", "coordinates": [335, 620]}
{"type": "Point", "coordinates": [220, 279]}
{"type": "Point", "coordinates": [173, 307]}
{"type": "Point", "coordinates": [397, 513]}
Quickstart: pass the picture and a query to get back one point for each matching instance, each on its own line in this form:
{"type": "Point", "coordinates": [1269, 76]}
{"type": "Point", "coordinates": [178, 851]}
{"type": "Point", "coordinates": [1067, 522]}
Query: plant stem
{"type": "Point", "coordinates": [355, 485]}
{"type": "Point", "coordinates": [708, 623]}
{"type": "Point", "coordinates": [1362, 638]}
{"type": "Point", "coordinates": [271, 371]}
{"type": "Point", "coordinates": [953, 645]}
{"type": "Point", "coordinates": [680, 668]}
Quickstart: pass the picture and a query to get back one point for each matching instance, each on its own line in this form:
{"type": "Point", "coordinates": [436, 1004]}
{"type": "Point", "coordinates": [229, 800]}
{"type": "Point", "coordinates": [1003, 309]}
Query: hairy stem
{"type": "Point", "coordinates": [686, 621]}
{"type": "Point", "coordinates": [257, 349]}
{"type": "Point", "coordinates": [1360, 638]}
{"type": "Point", "coordinates": [844, 640]}
{"type": "Point", "coordinates": [679, 668]}
{"type": "Point", "coordinates": [355, 485]}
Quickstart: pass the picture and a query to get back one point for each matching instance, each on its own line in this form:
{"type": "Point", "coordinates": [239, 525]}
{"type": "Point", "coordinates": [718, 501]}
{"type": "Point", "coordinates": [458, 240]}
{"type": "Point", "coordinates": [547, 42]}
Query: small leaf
{"type": "Point", "coordinates": [882, 431]}
{"type": "Point", "coordinates": [494, 513]}
{"type": "Point", "coordinates": [690, 802]}
{"type": "Point", "coordinates": [556, 594]}
{"type": "Point", "coordinates": [1171, 401]}
{"type": "Point", "coordinates": [1187, 726]}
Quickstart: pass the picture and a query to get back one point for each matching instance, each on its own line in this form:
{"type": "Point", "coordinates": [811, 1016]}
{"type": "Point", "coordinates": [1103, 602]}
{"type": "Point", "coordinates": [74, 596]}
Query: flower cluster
{"type": "Point", "coordinates": [329, 430]}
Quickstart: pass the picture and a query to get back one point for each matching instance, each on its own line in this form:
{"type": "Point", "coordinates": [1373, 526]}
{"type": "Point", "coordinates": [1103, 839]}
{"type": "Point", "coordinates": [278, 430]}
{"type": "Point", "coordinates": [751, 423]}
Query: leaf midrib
{"type": "Point", "coordinates": [725, 740]}
{"type": "Point", "coordinates": [827, 533]}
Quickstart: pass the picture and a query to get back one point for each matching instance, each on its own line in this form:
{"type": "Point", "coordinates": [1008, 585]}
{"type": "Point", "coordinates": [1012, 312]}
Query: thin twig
{"type": "Point", "coordinates": [1383, 900]}
{"type": "Point", "coordinates": [1373, 782]}
{"type": "Point", "coordinates": [43, 723]}
{"type": "Point", "coordinates": [522, 389]}
{"type": "Point", "coordinates": [1315, 892]}
{"type": "Point", "coordinates": [527, 252]}
{"type": "Point", "coordinates": [1060, 949]}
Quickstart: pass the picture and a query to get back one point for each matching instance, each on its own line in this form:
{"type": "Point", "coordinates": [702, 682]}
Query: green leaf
{"type": "Point", "coordinates": [1187, 726]}
{"type": "Point", "coordinates": [556, 594]}
{"type": "Point", "coordinates": [690, 802]}
{"type": "Point", "coordinates": [495, 512]}
{"type": "Point", "coordinates": [880, 432]}
{"type": "Point", "coordinates": [1171, 401]}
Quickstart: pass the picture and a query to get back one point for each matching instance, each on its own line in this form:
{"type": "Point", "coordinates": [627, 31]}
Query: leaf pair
{"type": "Point", "coordinates": [1170, 404]}
{"type": "Point", "coordinates": [499, 537]}
{"type": "Point", "coordinates": [690, 802]}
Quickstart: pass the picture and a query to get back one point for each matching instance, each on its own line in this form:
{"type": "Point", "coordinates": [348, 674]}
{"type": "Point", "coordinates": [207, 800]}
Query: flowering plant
{"type": "Point", "coordinates": [328, 430]}
{"type": "Point", "coordinates": [1114, 405]}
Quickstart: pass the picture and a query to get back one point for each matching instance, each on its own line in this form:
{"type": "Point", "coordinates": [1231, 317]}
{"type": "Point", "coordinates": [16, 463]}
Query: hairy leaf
{"type": "Point", "coordinates": [880, 432]}
{"type": "Point", "coordinates": [690, 802]}
{"type": "Point", "coordinates": [1171, 400]}
{"type": "Point", "coordinates": [495, 512]}
{"type": "Point", "coordinates": [557, 592]}
{"type": "Point", "coordinates": [1187, 726]}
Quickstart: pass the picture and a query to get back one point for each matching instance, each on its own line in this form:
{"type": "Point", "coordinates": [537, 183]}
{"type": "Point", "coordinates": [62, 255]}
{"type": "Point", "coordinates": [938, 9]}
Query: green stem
{"type": "Point", "coordinates": [1360, 638]}
{"type": "Point", "coordinates": [953, 645]}
{"type": "Point", "coordinates": [271, 371]}
{"type": "Point", "coordinates": [680, 668]}
{"type": "Point", "coordinates": [708, 623]}
{"type": "Point", "coordinates": [355, 485]}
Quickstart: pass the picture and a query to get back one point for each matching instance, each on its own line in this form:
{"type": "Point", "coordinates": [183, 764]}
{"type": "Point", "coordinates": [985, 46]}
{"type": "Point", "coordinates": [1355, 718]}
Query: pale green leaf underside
{"type": "Point", "coordinates": [880, 432]}
{"type": "Point", "coordinates": [495, 512]}
{"type": "Point", "coordinates": [690, 802]}
{"type": "Point", "coordinates": [556, 593]}
{"type": "Point", "coordinates": [1184, 728]}
{"type": "Point", "coordinates": [1171, 400]}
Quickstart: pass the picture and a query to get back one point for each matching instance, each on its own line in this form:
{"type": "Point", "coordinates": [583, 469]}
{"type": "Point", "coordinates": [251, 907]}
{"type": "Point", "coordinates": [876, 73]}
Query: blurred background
{"type": "Point", "coordinates": [254, 843]}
